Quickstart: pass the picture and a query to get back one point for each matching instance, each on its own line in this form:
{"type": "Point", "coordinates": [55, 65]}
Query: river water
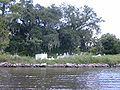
{"type": "Point", "coordinates": [59, 78]}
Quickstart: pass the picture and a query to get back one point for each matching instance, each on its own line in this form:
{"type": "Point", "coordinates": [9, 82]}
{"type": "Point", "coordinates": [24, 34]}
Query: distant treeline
{"type": "Point", "coordinates": [27, 29]}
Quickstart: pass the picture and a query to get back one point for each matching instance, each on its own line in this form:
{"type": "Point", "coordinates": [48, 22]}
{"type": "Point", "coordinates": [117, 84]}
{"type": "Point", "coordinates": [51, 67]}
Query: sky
{"type": "Point", "coordinates": [107, 9]}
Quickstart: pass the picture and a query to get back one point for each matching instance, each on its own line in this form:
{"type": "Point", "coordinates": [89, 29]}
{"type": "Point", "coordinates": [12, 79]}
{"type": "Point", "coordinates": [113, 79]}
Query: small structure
{"type": "Point", "coordinates": [99, 55]}
{"type": "Point", "coordinates": [16, 56]}
{"type": "Point", "coordinates": [65, 55]}
{"type": "Point", "coordinates": [51, 58]}
{"type": "Point", "coordinates": [41, 56]}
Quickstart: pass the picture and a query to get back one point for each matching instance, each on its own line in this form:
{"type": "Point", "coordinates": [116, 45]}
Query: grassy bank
{"type": "Point", "coordinates": [81, 59]}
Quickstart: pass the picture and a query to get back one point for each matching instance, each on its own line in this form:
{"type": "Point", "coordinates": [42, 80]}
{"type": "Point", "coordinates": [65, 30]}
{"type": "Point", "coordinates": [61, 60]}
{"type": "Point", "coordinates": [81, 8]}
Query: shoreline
{"type": "Point", "coordinates": [67, 65]}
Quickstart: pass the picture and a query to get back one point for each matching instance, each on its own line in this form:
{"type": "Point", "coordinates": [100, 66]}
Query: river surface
{"type": "Point", "coordinates": [59, 79]}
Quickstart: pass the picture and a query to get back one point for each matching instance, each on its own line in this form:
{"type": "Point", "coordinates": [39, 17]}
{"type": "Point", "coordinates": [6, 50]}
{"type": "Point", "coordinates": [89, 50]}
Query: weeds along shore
{"type": "Point", "coordinates": [75, 61]}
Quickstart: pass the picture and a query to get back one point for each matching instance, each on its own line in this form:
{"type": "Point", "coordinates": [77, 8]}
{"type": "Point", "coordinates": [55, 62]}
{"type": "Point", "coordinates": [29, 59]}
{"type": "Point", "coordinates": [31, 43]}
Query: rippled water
{"type": "Point", "coordinates": [59, 79]}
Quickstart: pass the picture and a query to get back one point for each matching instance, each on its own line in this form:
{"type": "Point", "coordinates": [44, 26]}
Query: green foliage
{"type": "Point", "coordinates": [97, 47]}
{"type": "Point", "coordinates": [4, 39]}
{"type": "Point", "coordinates": [35, 29]}
{"type": "Point", "coordinates": [69, 40]}
{"type": "Point", "coordinates": [110, 44]}
{"type": "Point", "coordinates": [51, 41]}
{"type": "Point", "coordinates": [4, 33]}
{"type": "Point", "coordinates": [84, 22]}
{"type": "Point", "coordinates": [4, 5]}
{"type": "Point", "coordinates": [93, 50]}
{"type": "Point", "coordinates": [11, 59]}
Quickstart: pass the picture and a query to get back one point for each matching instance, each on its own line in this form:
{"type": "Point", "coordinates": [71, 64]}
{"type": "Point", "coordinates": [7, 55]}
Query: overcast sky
{"type": "Point", "coordinates": [109, 10]}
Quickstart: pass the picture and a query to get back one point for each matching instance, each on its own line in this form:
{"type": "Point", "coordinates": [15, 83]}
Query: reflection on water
{"type": "Point", "coordinates": [59, 79]}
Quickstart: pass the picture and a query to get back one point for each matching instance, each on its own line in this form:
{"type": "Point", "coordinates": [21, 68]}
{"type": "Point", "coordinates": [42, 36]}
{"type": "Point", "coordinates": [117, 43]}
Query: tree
{"type": "Point", "coordinates": [50, 19]}
{"type": "Point", "coordinates": [84, 21]}
{"type": "Point", "coordinates": [37, 26]}
{"type": "Point", "coordinates": [4, 16]}
{"type": "Point", "coordinates": [4, 37]}
{"type": "Point", "coordinates": [5, 5]}
{"type": "Point", "coordinates": [110, 44]}
{"type": "Point", "coordinates": [21, 25]}
{"type": "Point", "coordinates": [36, 29]}
{"type": "Point", "coordinates": [96, 47]}
{"type": "Point", "coordinates": [68, 40]}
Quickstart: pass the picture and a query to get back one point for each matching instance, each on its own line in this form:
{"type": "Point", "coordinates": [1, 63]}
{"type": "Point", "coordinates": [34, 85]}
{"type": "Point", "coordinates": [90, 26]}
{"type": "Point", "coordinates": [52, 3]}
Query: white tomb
{"type": "Point", "coordinates": [41, 56]}
{"type": "Point", "coordinates": [99, 55]}
{"type": "Point", "coordinates": [65, 55]}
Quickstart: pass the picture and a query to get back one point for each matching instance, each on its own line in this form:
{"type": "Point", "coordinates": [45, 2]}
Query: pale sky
{"type": "Point", "coordinates": [109, 10]}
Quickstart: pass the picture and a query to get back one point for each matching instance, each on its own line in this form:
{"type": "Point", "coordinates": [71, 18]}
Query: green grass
{"type": "Point", "coordinates": [81, 59]}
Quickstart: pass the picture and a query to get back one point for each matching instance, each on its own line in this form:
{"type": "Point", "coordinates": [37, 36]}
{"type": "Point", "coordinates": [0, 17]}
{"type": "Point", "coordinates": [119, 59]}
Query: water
{"type": "Point", "coordinates": [59, 79]}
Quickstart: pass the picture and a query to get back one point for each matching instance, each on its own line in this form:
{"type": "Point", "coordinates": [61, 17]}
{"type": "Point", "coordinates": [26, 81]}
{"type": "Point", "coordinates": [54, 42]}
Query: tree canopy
{"type": "Point", "coordinates": [111, 45]}
{"type": "Point", "coordinates": [28, 29]}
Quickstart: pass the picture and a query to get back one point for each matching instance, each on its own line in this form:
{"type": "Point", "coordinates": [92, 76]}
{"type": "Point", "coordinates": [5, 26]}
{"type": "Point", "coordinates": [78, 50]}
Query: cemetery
{"type": "Point", "coordinates": [62, 60]}
{"type": "Point", "coordinates": [45, 56]}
